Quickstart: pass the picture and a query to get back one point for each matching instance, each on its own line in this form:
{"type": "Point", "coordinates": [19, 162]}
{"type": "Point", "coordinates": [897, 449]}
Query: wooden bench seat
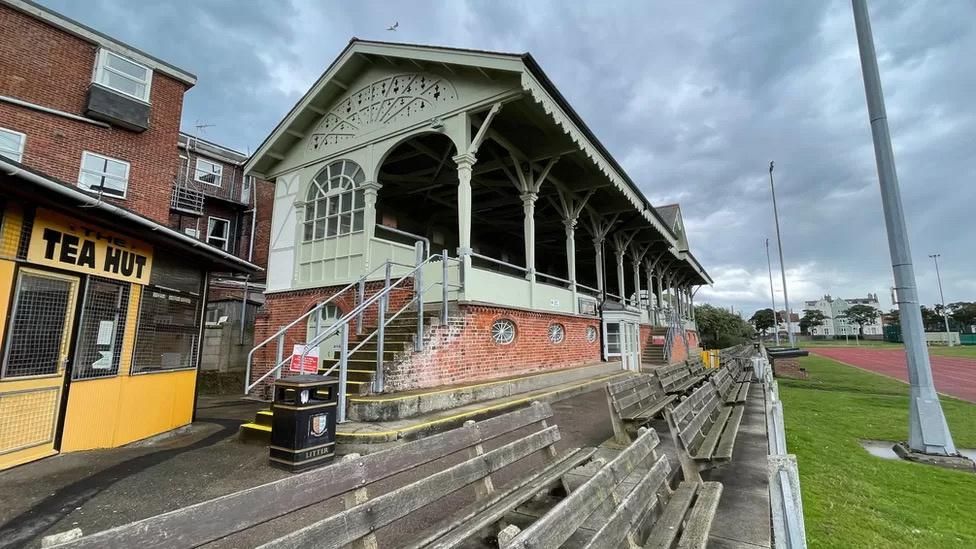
{"type": "Point", "coordinates": [731, 392]}
{"type": "Point", "coordinates": [627, 503]}
{"type": "Point", "coordinates": [364, 512]}
{"type": "Point", "coordinates": [697, 367]}
{"type": "Point", "coordinates": [676, 379]}
{"type": "Point", "coordinates": [703, 430]}
{"type": "Point", "coordinates": [634, 402]}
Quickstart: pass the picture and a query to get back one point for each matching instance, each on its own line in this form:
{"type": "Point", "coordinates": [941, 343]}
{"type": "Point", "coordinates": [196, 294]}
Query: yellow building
{"type": "Point", "coordinates": [101, 317]}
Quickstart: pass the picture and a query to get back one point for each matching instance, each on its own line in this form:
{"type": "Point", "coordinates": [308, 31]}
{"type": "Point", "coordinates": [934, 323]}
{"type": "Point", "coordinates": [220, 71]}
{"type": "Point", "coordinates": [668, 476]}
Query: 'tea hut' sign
{"type": "Point", "coordinates": [62, 242]}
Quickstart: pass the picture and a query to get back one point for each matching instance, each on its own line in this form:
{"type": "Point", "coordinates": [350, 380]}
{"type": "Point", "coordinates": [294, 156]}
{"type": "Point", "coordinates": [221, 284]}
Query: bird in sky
{"type": "Point", "coordinates": [393, 27]}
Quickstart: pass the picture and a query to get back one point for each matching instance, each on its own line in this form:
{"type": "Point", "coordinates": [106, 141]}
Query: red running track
{"type": "Point", "coordinates": [953, 376]}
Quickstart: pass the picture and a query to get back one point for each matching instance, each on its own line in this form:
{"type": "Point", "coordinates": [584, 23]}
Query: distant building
{"type": "Point", "coordinates": [781, 325]}
{"type": "Point", "coordinates": [835, 324]}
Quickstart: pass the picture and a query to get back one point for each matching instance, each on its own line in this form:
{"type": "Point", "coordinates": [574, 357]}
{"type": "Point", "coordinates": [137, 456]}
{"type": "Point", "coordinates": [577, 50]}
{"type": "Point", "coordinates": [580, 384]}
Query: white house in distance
{"type": "Point", "coordinates": [835, 324]}
{"type": "Point", "coordinates": [401, 154]}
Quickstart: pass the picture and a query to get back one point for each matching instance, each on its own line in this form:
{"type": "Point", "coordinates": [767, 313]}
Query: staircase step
{"type": "Point", "coordinates": [353, 434]}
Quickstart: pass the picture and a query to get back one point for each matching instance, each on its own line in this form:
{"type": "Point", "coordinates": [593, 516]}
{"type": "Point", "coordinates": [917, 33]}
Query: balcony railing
{"type": "Point", "coordinates": [187, 197]}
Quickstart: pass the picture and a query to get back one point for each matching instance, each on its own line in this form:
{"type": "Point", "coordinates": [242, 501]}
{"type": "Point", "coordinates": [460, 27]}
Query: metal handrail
{"type": "Point", "coordinates": [498, 262]}
{"type": "Point", "coordinates": [551, 277]}
{"type": "Point", "coordinates": [248, 386]}
{"type": "Point", "coordinates": [585, 287]}
{"type": "Point", "coordinates": [400, 232]}
{"type": "Point", "coordinates": [381, 299]}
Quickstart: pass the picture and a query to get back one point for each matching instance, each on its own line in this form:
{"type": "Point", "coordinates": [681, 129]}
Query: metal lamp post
{"type": "Point", "coordinates": [945, 312]}
{"type": "Point", "coordinates": [772, 294]}
{"type": "Point", "coordinates": [782, 266]}
{"type": "Point", "coordinates": [928, 431]}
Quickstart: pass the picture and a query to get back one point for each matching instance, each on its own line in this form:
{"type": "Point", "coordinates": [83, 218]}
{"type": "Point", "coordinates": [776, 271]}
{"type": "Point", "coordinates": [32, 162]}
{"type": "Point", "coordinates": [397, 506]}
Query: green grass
{"type": "Point", "coordinates": [853, 499]}
{"type": "Point", "coordinates": [965, 351]}
{"type": "Point", "coordinates": [962, 351]}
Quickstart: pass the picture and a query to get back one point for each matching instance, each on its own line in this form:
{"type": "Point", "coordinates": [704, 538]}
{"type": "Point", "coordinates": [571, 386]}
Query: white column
{"type": "Point", "coordinates": [598, 248]}
{"type": "Point", "coordinates": [659, 290]}
{"type": "Point", "coordinates": [621, 289]}
{"type": "Point", "coordinates": [370, 190]}
{"type": "Point", "coordinates": [570, 225]}
{"type": "Point", "coordinates": [637, 282]}
{"type": "Point", "coordinates": [464, 164]}
{"type": "Point", "coordinates": [649, 276]}
{"type": "Point", "coordinates": [528, 208]}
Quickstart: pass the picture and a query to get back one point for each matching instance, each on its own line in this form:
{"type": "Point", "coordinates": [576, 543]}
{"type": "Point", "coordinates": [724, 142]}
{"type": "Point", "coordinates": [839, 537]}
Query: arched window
{"type": "Point", "coordinates": [334, 205]}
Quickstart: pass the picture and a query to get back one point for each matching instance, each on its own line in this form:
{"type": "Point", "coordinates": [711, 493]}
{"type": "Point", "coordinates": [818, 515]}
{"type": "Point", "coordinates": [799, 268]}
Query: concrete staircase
{"type": "Point", "coordinates": [398, 339]}
{"type": "Point", "coordinates": [654, 354]}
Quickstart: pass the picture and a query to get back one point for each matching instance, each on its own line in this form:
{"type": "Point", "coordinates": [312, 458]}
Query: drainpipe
{"type": "Point", "coordinates": [247, 278]}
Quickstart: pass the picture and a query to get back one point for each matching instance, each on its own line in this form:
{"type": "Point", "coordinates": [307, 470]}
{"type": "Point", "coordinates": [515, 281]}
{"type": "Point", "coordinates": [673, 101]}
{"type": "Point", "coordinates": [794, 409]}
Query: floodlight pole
{"type": "Point", "coordinates": [782, 266]}
{"type": "Point", "coordinates": [772, 294]}
{"type": "Point", "coordinates": [928, 431]}
{"type": "Point", "coordinates": [945, 312]}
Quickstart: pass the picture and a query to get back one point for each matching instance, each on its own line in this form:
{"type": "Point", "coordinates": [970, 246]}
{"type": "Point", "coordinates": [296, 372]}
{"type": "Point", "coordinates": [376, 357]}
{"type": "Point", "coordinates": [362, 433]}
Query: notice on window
{"type": "Point", "coordinates": [309, 365]}
{"type": "Point", "coordinates": [106, 332]}
{"type": "Point", "coordinates": [104, 362]}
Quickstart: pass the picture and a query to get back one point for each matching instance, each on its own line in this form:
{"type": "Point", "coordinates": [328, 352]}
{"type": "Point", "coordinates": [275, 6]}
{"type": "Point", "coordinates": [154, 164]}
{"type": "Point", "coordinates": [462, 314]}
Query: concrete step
{"type": "Point", "coordinates": [361, 436]}
{"type": "Point", "coordinates": [409, 404]}
{"type": "Point", "coordinates": [367, 437]}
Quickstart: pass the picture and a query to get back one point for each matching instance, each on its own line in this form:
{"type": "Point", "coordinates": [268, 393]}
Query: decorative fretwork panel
{"type": "Point", "coordinates": [389, 100]}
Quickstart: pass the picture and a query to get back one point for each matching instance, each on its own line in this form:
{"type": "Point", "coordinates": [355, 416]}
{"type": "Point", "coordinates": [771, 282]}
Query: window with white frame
{"type": "Point", "coordinates": [208, 172]}
{"type": "Point", "coordinates": [218, 232]}
{"type": "Point", "coordinates": [12, 144]}
{"type": "Point", "coordinates": [335, 202]}
{"type": "Point", "coordinates": [103, 175]}
{"type": "Point", "coordinates": [123, 75]}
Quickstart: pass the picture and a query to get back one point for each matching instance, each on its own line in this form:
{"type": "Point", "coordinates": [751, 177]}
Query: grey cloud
{"type": "Point", "coordinates": [694, 98]}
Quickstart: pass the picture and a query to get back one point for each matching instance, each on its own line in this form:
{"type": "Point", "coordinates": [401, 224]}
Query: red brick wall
{"type": "Point", "coordinates": [463, 351]}
{"type": "Point", "coordinates": [48, 67]}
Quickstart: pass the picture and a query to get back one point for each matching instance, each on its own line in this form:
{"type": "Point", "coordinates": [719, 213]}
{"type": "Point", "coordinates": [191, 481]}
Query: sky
{"type": "Point", "coordinates": [692, 98]}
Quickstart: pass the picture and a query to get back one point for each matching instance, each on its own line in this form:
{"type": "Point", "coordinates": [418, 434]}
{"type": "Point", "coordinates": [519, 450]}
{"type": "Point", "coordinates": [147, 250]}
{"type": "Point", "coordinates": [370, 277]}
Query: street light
{"type": "Point", "coordinates": [928, 431]}
{"type": "Point", "coordinates": [945, 313]}
{"type": "Point", "coordinates": [772, 294]}
{"type": "Point", "coordinates": [782, 266]}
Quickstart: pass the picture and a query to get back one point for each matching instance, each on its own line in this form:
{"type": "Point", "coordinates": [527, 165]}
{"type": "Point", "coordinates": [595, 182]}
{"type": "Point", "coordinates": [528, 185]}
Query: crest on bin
{"type": "Point", "coordinates": [319, 424]}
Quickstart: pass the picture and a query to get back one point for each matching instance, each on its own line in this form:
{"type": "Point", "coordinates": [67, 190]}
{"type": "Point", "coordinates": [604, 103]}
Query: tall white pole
{"type": "Point", "coordinates": [782, 265]}
{"type": "Point", "coordinates": [945, 312]}
{"type": "Point", "coordinates": [772, 294]}
{"type": "Point", "coordinates": [928, 431]}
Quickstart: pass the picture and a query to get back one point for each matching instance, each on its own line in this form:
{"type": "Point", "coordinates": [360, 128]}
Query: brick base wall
{"type": "Point", "coordinates": [464, 352]}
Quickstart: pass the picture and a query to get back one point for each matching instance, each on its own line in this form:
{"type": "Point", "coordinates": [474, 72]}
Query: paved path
{"type": "Point", "coordinates": [953, 376]}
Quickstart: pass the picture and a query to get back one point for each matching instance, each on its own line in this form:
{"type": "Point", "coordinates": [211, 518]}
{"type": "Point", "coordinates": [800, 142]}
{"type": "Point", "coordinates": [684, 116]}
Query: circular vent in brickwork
{"type": "Point", "coordinates": [591, 333]}
{"type": "Point", "coordinates": [557, 333]}
{"type": "Point", "coordinates": [503, 331]}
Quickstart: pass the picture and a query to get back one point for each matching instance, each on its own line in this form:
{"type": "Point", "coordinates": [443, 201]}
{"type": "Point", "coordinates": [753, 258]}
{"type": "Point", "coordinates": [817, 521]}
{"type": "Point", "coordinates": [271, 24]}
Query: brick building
{"type": "Point", "coordinates": [102, 293]}
{"type": "Point", "coordinates": [459, 190]}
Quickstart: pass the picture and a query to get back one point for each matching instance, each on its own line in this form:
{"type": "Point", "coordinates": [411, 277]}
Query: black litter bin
{"type": "Point", "coordinates": [304, 424]}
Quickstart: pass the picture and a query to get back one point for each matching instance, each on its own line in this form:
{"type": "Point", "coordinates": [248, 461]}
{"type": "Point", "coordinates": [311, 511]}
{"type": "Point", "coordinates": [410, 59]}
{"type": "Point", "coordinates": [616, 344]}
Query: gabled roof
{"type": "Point", "coordinates": [285, 135]}
{"type": "Point", "coordinates": [669, 213]}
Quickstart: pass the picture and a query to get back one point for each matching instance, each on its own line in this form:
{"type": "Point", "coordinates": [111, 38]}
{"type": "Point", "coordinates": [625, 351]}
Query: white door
{"type": "Point", "coordinates": [326, 317]}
